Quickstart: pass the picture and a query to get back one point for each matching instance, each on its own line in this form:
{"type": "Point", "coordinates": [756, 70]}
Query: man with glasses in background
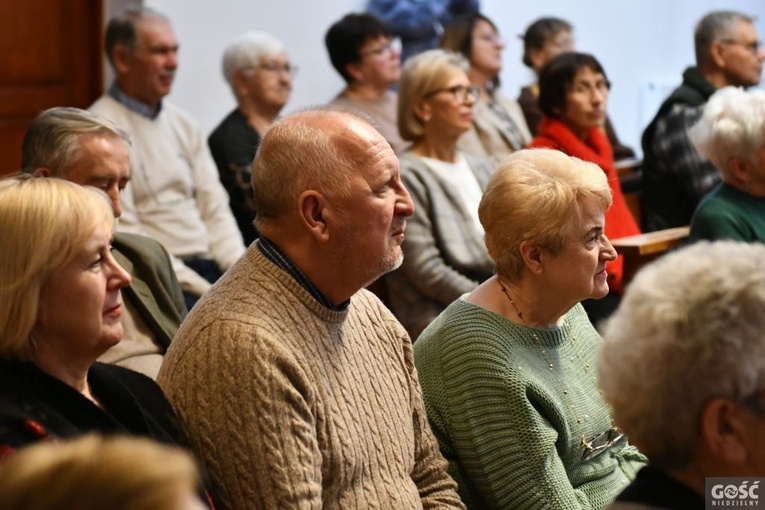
{"type": "Point", "coordinates": [174, 194]}
{"type": "Point", "coordinates": [675, 176]}
{"type": "Point", "coordinates": [368, 58]}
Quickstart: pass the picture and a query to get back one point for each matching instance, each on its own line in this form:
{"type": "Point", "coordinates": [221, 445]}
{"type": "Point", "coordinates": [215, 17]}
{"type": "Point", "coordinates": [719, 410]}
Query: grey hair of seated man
{"type": "Point", "coordinates": [732, 127]}
{"type": "Point", "coordinates": [122, 30]}
{"type": "Point", "coordinates": [690, 331]}
{"type": "Point", "coordinates": [713, 27]}
{"type": "Point", "coordinates": [245, 52]}
{"type": "Point", "coordinates": [54, 137]}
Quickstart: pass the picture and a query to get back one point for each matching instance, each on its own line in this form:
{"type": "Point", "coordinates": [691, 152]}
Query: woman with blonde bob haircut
{"type": "Point", "coordinates": [60, 309]}
{"type": "Point", "coordinates": [96, 473]}
{"type": "Point", "coordinates": [683, 367]}
{"type": "Point", "coordinates": [508, 370]}
{"type": "Point", "coordinates": [26, 208]}
{"type": "Point", "coordinates": [444, 251]}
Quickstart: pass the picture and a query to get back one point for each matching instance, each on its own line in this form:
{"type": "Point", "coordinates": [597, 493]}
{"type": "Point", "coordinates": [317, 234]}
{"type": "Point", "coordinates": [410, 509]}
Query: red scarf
{"type": "Point", "coordinates": [554, 134]}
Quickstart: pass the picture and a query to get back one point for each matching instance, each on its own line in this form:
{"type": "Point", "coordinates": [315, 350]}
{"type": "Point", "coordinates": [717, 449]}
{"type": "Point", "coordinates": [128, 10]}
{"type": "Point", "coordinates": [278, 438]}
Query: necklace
{"type": "Point", "coordinates": [550, 365]}
{"type": "Point", "coordinates": [597, 444]}
{"type": "Point", "coordinates": [503, 286]}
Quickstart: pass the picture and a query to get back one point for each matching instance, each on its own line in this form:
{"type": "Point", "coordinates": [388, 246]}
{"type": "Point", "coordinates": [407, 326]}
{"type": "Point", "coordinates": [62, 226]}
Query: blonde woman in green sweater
{"type": "Point", "coordinates": [508, 371]}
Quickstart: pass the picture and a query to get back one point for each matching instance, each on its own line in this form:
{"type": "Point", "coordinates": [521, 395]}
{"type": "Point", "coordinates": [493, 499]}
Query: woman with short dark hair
{"type": "Point", "coordinates": [573, 95]}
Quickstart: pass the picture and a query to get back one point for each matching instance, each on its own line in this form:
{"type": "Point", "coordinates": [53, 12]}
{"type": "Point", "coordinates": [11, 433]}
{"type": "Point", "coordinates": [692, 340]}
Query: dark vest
{"type": "Point", "coordinates": [663, 203]}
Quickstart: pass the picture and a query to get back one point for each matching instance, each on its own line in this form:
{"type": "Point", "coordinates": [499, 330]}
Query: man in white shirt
{"type": "Point", "coordinates": [174, 194]}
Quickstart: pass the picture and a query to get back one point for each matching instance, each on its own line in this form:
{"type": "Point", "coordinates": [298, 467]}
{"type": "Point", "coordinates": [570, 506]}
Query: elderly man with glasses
{"type": "Point", "coordinates": [368, 58]}
{"type": "Point", "coordinates": [675, 176]}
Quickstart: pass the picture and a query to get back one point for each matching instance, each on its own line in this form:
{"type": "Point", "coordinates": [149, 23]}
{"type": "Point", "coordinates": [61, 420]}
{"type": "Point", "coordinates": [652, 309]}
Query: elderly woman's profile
{"type": "Point", "coordinates": [508, 371]}
{"type": "Point", "coordinates": [60, 309]}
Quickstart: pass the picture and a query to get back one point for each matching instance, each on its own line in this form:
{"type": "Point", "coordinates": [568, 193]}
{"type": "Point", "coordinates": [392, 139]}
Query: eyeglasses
{"type": "Point", "coordinates": [393, 45]}
{"type": "Point", "coordinates": [277, 67]}
{"type": "Point", "coordinates": [600, 443]}
{"type": "Point", "coordinates": [491, 39]}
{"type": "Point", "coordinates": [460, 92]}
{"type": "Point", "coordinates": [753, 47]}
{"type": "Point", "coordinates": [581, 88]}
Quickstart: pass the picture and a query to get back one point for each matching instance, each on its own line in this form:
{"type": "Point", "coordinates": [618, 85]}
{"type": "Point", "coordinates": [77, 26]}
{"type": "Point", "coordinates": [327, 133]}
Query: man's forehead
{"type": "Point", "coordinates": [150, 27]}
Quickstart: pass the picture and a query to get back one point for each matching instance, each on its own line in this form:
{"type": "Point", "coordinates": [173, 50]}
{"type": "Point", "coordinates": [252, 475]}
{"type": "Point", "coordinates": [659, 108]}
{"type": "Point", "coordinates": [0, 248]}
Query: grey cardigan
{"type": "Point", "coordinates": [444, 253]}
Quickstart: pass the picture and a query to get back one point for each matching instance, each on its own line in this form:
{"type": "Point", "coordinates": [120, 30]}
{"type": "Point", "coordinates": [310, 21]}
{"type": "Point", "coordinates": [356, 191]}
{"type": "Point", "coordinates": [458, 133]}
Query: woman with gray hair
{"type": "Point", "coordinates": [731, 134]}
{"type": "Point", "coordinates": [508, 370]}
{"type": "Point", "coordinates": [444, 251]}
{"type": "Point", "coordinates": [258, 70]}
{"type": "Point", "coordinates": [683, 367]}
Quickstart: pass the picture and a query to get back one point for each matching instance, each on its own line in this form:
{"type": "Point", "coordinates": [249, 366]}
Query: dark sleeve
{"type": "Point", "coordinates": [233, 148]}
{"type": "Point", "coordinates": [621, 151]}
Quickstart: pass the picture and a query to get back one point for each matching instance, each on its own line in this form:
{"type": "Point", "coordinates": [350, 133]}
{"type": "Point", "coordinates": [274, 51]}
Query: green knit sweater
{"type": "Point", "coordinates": [293, 405]}
{"type": "Point", "coordinates": [510, 426]}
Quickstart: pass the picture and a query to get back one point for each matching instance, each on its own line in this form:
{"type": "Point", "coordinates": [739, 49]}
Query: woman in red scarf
{"type": "Point", "coordinates": [573, 95]}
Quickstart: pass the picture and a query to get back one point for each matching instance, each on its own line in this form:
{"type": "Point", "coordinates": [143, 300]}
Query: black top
{"type": "Point", "coordinates": [36, 406]}
{"type": "Point", "coordinates": [233, 145]}
{"type": "Point", "coordinates": [653, 487]}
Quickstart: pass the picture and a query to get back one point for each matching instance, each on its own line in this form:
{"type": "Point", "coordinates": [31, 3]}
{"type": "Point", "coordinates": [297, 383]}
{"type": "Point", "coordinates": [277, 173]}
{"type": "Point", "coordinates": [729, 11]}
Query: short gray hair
{"type": "Point", "coordinates": [121, 29]}
{"type": "Point", "coordinates": [246, 51]}
{"type": "Point", "coordinates": [731, 126]}
{"type": "Point", "coordinates": [713, 27]}
{"type": "Point", "coordinates": [54, 137]}
{"type": "Point", "coordinates": [690, 327]}
{"type": "Point", "coordinates": [302, 151]}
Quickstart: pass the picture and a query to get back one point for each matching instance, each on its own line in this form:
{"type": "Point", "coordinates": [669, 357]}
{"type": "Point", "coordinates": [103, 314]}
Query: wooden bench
{"type": "Point", "coordinates": [641, 249]}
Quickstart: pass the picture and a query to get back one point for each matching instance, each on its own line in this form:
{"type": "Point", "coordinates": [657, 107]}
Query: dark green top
{"type": "Point", "coordinates": [729, 213]}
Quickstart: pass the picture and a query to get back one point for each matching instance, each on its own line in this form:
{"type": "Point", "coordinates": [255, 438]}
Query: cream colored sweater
{"type": "Point", "coordinates": [175, 195]}
{"type": "Point", "coordinates": [292, 405]}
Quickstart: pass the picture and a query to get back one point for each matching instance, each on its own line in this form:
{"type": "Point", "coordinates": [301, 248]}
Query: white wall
{"type": "Point", "coordinates": [639, 43]}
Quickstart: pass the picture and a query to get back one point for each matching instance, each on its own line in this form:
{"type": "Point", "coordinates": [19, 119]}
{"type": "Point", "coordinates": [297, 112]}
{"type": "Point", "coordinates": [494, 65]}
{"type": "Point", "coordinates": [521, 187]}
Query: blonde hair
{"type": "Point", "coordinates": [421, 74]}
{"type": "Point", "coordinates": [536, 195]}
{"type": "Point", "coordinates": [94, 473]}
{"type": "Point", "coordinates": [43, 225]}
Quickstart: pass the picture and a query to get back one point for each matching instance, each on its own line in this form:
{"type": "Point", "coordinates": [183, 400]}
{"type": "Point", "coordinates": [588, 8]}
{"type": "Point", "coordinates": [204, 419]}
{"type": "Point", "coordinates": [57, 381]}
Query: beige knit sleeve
{"type": "Point", "coordinates": [245, 403]}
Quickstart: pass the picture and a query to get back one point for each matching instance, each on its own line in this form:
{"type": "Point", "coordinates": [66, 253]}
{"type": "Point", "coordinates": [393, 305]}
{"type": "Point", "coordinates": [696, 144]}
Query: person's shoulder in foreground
{"type": "Point", "coordinates": [304, 379]}
{"type": "Point", "coordinates": [685, 347]}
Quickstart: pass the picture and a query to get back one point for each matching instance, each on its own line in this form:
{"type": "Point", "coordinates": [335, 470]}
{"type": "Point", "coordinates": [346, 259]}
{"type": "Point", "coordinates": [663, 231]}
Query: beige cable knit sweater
{"type": "Point", "coordinates": [292, 405]}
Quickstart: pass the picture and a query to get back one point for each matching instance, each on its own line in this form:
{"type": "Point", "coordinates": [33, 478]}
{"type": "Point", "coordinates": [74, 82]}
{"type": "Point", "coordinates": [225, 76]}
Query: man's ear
{"type": "Point", "coordinates": [42, 172]}
{"type": "Point", "coordinates": [532, 257]}
{"type": "Point", "coordinates": [724, 431]}
{"type": "Point", "coordinates": [716, 50]}
{"type": "Point", "coordinates": [121, 58]}
{"type": "Point", "coordinates": [313, 210]}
